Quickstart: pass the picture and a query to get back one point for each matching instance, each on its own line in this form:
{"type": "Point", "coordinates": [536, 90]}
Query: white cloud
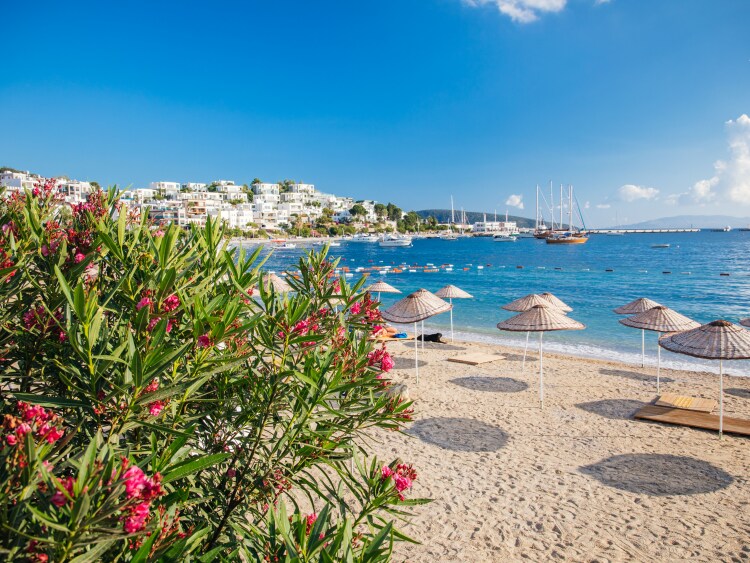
{"type": "Point", "coordinates": [603, 206]}
{"type": "Point", "coordinates": [631, 192]}
{"type": "Point", "coordinates": [522, 11]}
{"type": "Point", "coordinates": [515, 201]}
{"type": "Point", "coordinates": [731, 179]}
{"type": "Point", "coordinates": [600, 2]}
{"type": "Point", "coordinates": [587, 205]}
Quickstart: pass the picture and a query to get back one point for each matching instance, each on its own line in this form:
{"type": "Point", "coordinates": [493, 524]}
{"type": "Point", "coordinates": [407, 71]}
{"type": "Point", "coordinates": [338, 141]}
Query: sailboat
{"type": "Point", "coordinates": [541, 230]}
{"type": "Point", "coordinates": [572, 235]}
{"type": "Point", "coordinates": [450, 235]}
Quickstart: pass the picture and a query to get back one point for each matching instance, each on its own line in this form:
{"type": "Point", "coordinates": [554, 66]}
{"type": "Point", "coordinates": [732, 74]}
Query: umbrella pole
{"type": "Point", "coordinates": [450, 300]}
{"type": "Point", "coordinates": [721, 401]}
{"type": "Point", "coordinates": [643, 348]}
{"type": "Point", "coordinates": [658, 361]}
{"type": "Point", "coordinates": [541, 371]}
{"type": "Point", "coordinates": [416, 354]}
{"type": "Point", "coordinates": [422, 335]}
{"type": "Point", "coordinates": [525, 349]}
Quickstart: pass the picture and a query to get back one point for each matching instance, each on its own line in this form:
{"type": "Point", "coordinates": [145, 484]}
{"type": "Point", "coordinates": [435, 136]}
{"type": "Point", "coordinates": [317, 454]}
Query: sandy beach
{"type": "Point", "coordinates": [579, 480]}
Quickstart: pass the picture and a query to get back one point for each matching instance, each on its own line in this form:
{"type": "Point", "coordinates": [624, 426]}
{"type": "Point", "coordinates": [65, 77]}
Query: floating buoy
{"type": "Point", "coordinates": [666, 272]}
{"type": "Point", "coordinates": [558, 268]}
{"type": "Point", "coordinates": [724, 274]}
{"type": "Point", "coordinates": [609, 270]}
{"type": "Point", "coordinates": [519, 267]}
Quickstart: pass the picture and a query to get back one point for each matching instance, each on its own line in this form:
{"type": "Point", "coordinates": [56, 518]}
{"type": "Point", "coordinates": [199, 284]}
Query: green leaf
{"type": "Point", "coordinates": [194, 465]}
{"type": "Point", "coordinates": [59, 402]}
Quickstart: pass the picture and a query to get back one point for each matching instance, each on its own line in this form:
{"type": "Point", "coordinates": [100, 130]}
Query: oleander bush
{"type": "Point", "coordinates": [161, 403]}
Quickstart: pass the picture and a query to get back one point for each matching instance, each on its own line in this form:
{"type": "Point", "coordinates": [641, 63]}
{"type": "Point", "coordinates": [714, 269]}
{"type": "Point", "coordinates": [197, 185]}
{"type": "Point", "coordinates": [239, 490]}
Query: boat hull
{"type": "Point", "coordinates": [567, 240]}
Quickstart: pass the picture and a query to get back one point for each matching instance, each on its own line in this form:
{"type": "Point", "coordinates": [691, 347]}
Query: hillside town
{"type": "Point", "coordinates": [261, 209]}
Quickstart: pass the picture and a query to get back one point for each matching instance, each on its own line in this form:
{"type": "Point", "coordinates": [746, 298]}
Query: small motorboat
{"type": "Point", "coordinates": [659, 246]}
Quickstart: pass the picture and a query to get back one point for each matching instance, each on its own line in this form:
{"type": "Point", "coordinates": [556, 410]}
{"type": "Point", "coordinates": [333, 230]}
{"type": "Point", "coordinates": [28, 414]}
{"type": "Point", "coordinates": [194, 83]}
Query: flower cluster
{"type": "Point", "coordinates": [380, 358]}
{"type": "Point", "coordinates": [140, 490]}
{"type": "Point", "coordinates": [168, 306]}
{"type": "Point", "coordinates": [154, 407]}
{"type": "Point", "coordinates": [38, 319]}
{"type": "Point", "coordinates": [403, 476]}
{"type": "Point", "coordinates": [60, 499]}
{"type": "Point", "coordinates": [33, 419]}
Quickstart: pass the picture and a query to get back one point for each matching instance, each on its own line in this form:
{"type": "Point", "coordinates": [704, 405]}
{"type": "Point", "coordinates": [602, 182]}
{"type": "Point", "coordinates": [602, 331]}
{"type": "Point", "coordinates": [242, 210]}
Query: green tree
{"type": "Point", "coordinates": [358, 210]}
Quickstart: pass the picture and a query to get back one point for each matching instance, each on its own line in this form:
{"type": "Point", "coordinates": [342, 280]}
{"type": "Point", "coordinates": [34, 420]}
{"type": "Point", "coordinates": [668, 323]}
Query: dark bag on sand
{"type": "Point", "coordinates": [437, 337]}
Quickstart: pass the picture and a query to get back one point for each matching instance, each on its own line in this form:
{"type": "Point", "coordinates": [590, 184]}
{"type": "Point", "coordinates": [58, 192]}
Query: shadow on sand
{"type": "Point", "coordinates": [636, 376]}
{"type": "Point", "coordinates": [613, 408]}
{"type": "Point", "coordinates": [434, 346]}
{"type": "Point", "coordinates": [459, 434]}
{"type": "Point", "coordinates": [744, 393]}
{"type": "Point", "coordinates": [659, 474]}
{"type": "Point", "coordinates": [491, 384]}
{"type": "Point", "coordinates": [406, 362]}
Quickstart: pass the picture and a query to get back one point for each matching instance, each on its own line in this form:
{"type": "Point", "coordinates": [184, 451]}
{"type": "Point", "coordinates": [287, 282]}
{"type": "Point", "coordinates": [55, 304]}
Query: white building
{"type": "Point", "coordinates": [169, 190]}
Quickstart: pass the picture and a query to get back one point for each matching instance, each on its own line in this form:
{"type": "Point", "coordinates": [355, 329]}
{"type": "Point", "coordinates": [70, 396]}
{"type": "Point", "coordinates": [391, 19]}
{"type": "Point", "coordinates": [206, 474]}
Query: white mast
{"type": "Point", "coordinates": [570, 207]}
{"type": "Point", "coordinates": [561, 207]}
{"type": "Point", "coordinates": [551, 207]}
{"type": "Point", "coordinates": [536, 228]}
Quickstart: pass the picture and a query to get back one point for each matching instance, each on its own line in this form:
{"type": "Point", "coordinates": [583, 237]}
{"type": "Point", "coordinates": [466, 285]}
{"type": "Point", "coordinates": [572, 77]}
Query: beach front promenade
{"type": "Point", "coordinates": [578, 481]}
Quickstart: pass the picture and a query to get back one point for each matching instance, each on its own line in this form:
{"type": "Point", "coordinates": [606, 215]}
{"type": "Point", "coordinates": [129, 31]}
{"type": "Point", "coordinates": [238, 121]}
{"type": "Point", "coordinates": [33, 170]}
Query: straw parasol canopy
{"type": "Point", "coordinates": [638, 306]}
{"type": "Point", "coordinates": [633, 308]}
{"type": "Point", "coordinates": [527, 302]}
{"type": "Point", "coordinates": [276, 282]}
{"type": "Point", "coordinates": [413, 308]}
{"type": "Point", "coordinates": [717, 340]}
{"type": "Point", "coordinates": [745, 322]}
{"type": "Point", "coordinates": [559, 303]}
{"type": "Point", "coordinates": [540, 318]}
{"type": "Point", "coordinates": [660, 319]}
{"type": "Point", "coordinates": [416, 307]}
{"type": "Point", "coordinates": [452, 292]}
{"type": "Point", "coordinates": [382, 287]}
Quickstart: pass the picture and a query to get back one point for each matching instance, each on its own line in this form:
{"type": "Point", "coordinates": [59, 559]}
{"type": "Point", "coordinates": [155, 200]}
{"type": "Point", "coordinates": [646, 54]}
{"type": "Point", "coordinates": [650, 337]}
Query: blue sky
{"type": "Point", "coordinates": [641, 105]}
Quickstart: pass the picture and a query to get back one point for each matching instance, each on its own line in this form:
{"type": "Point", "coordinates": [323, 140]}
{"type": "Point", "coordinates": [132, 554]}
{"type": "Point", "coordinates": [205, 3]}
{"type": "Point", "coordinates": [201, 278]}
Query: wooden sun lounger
{"type": "Point", "coordinates": [693, 419]}
{"type": "Point", "coordinates": [688, 403]}
{"type": "Point", "coordinates": [476, 358]}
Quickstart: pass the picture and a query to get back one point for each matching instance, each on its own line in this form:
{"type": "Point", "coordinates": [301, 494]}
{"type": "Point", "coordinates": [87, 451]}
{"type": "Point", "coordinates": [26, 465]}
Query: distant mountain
{"type": "Point", "coordinates": [691, 221]}
{"type": "Point", "coordinates": [444, 216]}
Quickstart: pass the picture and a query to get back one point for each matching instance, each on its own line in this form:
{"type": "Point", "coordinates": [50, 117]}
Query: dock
{"type": "Point", "coordinates": [640, 231]}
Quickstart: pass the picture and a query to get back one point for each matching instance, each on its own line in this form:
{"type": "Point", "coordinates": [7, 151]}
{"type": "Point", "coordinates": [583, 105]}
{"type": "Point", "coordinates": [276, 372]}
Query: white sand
{"type": "Point", "coordinates": [578, 481]}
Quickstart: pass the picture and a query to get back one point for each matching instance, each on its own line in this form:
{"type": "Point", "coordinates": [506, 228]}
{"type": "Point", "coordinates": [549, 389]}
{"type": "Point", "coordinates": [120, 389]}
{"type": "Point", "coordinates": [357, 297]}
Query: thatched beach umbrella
{"type": "Point", "coordinates": [660, 319]}
{"type": "Point", "coordinates": [559, 303]}
{"type": "Point", "coordinates": [633, 308]}
{"type": "Point", "coordinates": [278, 283]}
{"type": "Point", "coordinates": [540, 318]}
{"type": "Point", "coordinates": [414, 308]}
{"type": "Point", "coordinates": [532, 300]}
{"type": "Point", "coordinates": [382, 287]}
{"type": "Point", "coordinates": [452, 292]}
{"type": "Point", "coordinates": [718, 340]}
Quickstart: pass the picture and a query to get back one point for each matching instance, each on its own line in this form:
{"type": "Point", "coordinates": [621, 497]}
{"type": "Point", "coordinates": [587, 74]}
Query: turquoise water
{"type": "Point", "coordinates": [577, 275]}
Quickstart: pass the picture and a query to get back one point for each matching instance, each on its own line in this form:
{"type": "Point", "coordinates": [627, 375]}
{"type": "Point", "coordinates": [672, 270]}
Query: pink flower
{"type": "Point", "coordinates": [135, 481]}
{"type": "Point", "coordinates": [204, 341]}
{"type": "Point", "coordinates": [171, 303]}
{"type": "Point", "coordinates": [401, 482]}
{"type": "Point", "coordinates": [386, 364]}
{"type": "Point", "coordinates": [136, 521]}
{"type": "Point", "coordinates": [145, 302]}
{"type": "Point", "coordinates": [53, 435]}
{"type": "Point", "coordinates": [58, 499]}
{"type": "Point", "coordinates": [22, 429]}
{"type": "Point", "coordinates": [153, 386]}
{"type": "Point", "coordinates": [302, 327]}
{"type": "Point", "coordinates": [79, 257]}
{"type": "Point", "coordinates": [158, 233]}
{"type": "Point", "coordinates": [356, 308]}
{"type": "Point", "coordinates": [386, 472]}
{"type": "Point", "coordinates": [11, 439]}
{"type": "Point", "coordinates": [156, 407]}
{"type": "Point", "coordinates": [231, 472]}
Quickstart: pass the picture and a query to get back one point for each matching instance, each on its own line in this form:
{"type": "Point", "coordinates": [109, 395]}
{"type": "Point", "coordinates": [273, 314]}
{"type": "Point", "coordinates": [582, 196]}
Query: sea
{"type": "Point", "coordinates": [703, 275]}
